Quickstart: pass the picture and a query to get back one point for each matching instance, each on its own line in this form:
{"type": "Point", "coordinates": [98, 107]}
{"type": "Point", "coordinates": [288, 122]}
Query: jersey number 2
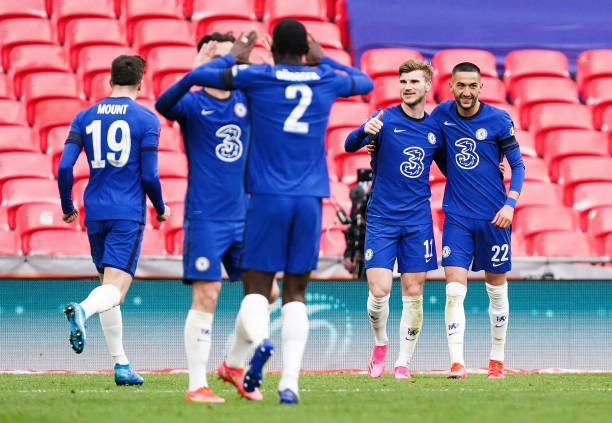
{"type": "Point", "coordinates": [292, 123]}
{"type": "Point", "coordinates": [122, 146]}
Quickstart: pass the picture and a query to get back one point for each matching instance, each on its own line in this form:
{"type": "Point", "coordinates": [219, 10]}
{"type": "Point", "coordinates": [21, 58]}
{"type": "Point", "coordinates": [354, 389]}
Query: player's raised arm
{"type": "Point", "coordinates": [364, 134]}
{"type": "Point", "coordinates": [360, 82]}
{"type": "Point", "coordinates": [65, 176]}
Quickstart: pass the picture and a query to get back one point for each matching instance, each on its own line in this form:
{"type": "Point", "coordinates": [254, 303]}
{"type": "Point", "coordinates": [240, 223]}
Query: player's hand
{"type": "Point", "coordinates": [70, 217]}
{"type": "Point", "coordinates": [315, 51]}
{"type": "Point", "coordinates": [374, 125]}
{"type": "Point", "coordinates": [503, 218]}
{"type": "Point", "coordinates": [242, 47]}
{"type": "Point", "coordinates": [266, 57]}
{"type": "Point", "coordinates": [502, 167]}
{"type": "Point", "coordinates": [166, 215]}
{"type": "Point", "coordinates": [349, 264]}
{"type": "Point", "coordinates": [371, 147]}
{"type": "Point", "coordinates": [206, 53]}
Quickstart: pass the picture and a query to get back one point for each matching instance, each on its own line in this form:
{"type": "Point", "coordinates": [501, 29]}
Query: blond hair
{"type": "Point", "coordinates": [414, 65]}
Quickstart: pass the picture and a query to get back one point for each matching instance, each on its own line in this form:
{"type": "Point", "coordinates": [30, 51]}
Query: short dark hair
{"type": "Point", "coordinates": [290, 37]}
{"type": "Point", "coordinates": [216, 36]}
{"type": "Point", "coordinates": [127, 70]}
{"type": "Point", "coordinates": [466, 67]}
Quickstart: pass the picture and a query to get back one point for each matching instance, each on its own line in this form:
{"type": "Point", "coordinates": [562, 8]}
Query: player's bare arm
{"type": "Point", "coordinates": [243, 46]}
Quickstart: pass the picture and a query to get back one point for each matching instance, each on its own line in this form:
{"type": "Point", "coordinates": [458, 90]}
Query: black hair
{"type": "Point", "coordinates": [127, 70]}
{"type": "Point", "coordinates": [466, 67]}
{"type": "Point", "coordinates": [216, 36]}
{"type": "Point", "coordinates": [289, 38]}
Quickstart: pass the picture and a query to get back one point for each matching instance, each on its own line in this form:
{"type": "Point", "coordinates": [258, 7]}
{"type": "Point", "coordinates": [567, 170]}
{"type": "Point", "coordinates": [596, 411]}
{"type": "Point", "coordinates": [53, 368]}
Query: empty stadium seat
{"type": "Point", "coordinates": [437, 196]}
{"type": "Point", "coordinates": [539, 194]}
{"type": "Point", "coordinates": [564, 244]}
{"type": "Point", "coordinates": [526, 142]}
{"type": "Point", "coordinates": [386, 61]}
{"type": "Point", "coordinates": [531, 221]}
{"type": "Point", "coordinates": [47, 85]}
{"type": "Point", "coordinates": [34, 217]}
{"type": "Point", "coordinates": [530, 92]}
{"type": "Point", "coordinates": [519, 245]}
{"type": "Point", "coordinates": [165, 60]}
{"type": "Point", "coordinates": [172, 165]}
{"type": "Point", "coordinates": [347, 115]}
{"type": "Point", "coordinates": [577, 170]}
{"type": "Point", "coordinates": [332, 242]}
{"type": "Point", "coordinates": [606, 122]}
{"type": "Point", "coordinates": [435, 175]}
{"type": "Point", "coordinates": [593, 64]}
{"type": "Point", "coordinates": [52, 242]}
{"type": "Point", "coordinates": [520, 64]}
{"type": "Point", "coordinates": [200, 10]}
{"type": "Point", "coordinates": [9, 243]}
{"type": "Point", "coordinates": [80, 170]}
{"type": "Point", "coordinates": [153, 243]}
{"type": "Point", "coordinates": [22, 31]}
{"type": "Point", "coordinates": [55, 112]}
{"type": "Point", "coordinates": [235, 26]}
{"type": "Point", "coordinates": [328, 217]}
{"type": "Point", "coordinates": [591, 195]}
{"type": "Point", "coordinates": [444, 61]}
{"type": "Point", "coordinates": [35, 58]}
{"type": "Point", "coordinates": [339, 56]}
{"type": "Point", "coordinates": [136, 10]}
{"type": "Point", "coordinates": [12, 113]}
{"type": "Point", "coordinates": [24, 165]}
{"type": "Point", "coordinates": [23, 9]}
{"type": "Point", "coordinates": [326, 34]}
{"type": "Point", "coordinates": [493, 90]}
{"type": "Point", "coordinates": [53, 145]}
{"type": "Point", "coordinates": [6, 88]}
{"type": "Point", "coordinates": [335, 141]}
{"type": "Point", "coordinates": [607, 246]}
{"type": "Point", "coordinates": [386, 92]}
{"type": "Point", "coordinates": [599, 223]}
{"type": "Point", "coordinates": [598, 96]}
{"type": "Point", "coordinates": [149, 33]}
{"type": "Point", "coordinates": [513, 112]}
{"type": "Point", "coordinates": [314, 10]}
{"type": "Point", "coordinates": [97, 59]}
{"type": "Point", "coordinates": [340, 194]}
{"type": "Point", "coordinates": [572, 143]}
{"type": "Point", "coordinates": [347, 169]}
{"type": "Point", "coordinates": [65, 11]}
{"type": "Point", "coordinates": [174, 189]}
{"type": "Point", "coordinates": [548, 117]}
{"type": "Point", "coordinates": [535, 170]}
{"type": "Point", "coordinates": [170, 139]}
{"type": "Point", "coordinates": [24, 190]}
{"type": "Point", "coordinates": [17, 138]}
{"type": "Point", "coordinates": [86, 32]}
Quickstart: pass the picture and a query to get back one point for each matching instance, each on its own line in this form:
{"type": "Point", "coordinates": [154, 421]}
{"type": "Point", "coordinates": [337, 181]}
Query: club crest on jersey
{"type": "Point", "coordinates": [369, 254]}
{"type": "Point", "coordinates": [431, 137]}
{"type": "Point", "coordinates": [230, 149]}
{"type": "Point", "coordinates": [481, 134]}
{"type": "Point", "coordinates": [511, 131]}
{"type": "Point", "coordinates": [240, 110]}
{"type": "Point", "coordinates": [202, 264]}
{"type": "Point", "coordinates": [446, 251]}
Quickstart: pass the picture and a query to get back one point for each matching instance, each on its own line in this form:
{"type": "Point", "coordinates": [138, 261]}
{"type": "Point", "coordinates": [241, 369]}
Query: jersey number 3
{"type": "Point", "coordinates": [122, 146]}
{"type": "Point", "coordinates": [292, 123]}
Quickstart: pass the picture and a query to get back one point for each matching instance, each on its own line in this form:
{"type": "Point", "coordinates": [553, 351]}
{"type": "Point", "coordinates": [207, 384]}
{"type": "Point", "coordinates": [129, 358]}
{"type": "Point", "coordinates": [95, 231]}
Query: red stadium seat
{"type": "Point", "coordinates": [347, 115]}
{"type": "Point", "coordinates": [80, 170]}
{"type": "Point", "coordinates": [564, 244]}
{"type": "Point", "coordinates": [35, 58]}
{"type": "Point", "coordinates": [24, 165]}
{"type": "Point", "coordinates": [340, 56]}
{"type": "Point", "coordinates": [328, 217]}
{"type": "Point", "coordinates": [539, 194]}
{"type": "Point", "coordinates": [326, 34]}
{"type": "Point", "coordinates": [136, 10]}
{"type": "Point", "coordinates": [170, 226]}
{"type": "Point", "coordinates": [606, 121]}
{"type": "Point", "coordinates": [24, 190]}
{"type": "Point", "coordinates": [314, 10]}
{"type": "Point", "coordinates": [577, 170]}
{"type": "Point", "coordinates": [591, 195]}
{"type": "Point", "coordinates": [22, 31]}
{"type": "Point", "coordinates": [6, 89]}
{"type": "Point", "coordinates": [12, 113]}
{"type": "Point", "coordinates": [435, 175]}
{"type": "Point", "coordinates": [170, 139]}
{"type": "Point", "coordinates": [572, 143]}
{"type": "Point", "coordinates": [444, 61]}
{"type": "Point", "coordinates": [593, 64]}
{"type": "Point", "coordinates": [386, 61]}
{"type": "Point", "coordinates": [519, 245]}
{"type": "Point", "coordinates": [437, 196]}
{"type": "Point", "coordinates": [34, 217]}
{"type": "Point", "coordinates": [598, 96]}
{"type": "Point", "coordinates": [535, 170]}
{"type": "Point", "coordinates": [9, 243]}
{"type": "Point", "coordinates": [235, 26]}
{"type": "Point", "coordinates": [200, 10]}
{"type": "Point", "coordinates": [53, 145]}
{"type": "Point", "coordinates": [149, 33]}
{"type": "Point", "coordinates": [97, 59]}
{"type": "Point", "coordinates": [350, 164]}
{"type": "Point", "coordinates": [86, 32]}
{"type": "Point", "coordinates": [387, 92]}
{"type": "Point", "coordinates": [340, 194]}
{"type": "Point", "coordinates": [332, 242]}
{"type": "Point", "coordinates": [100, 88]}
{"type": "Point", "coordinates": [65, 11]}
{"type": "Point", "coordinates": [55, 112]}
{"type": "Point", "coordinates": [23, 9]}
{"type": "Point", "coordinates": [532, 221]}
{"type": "Point", "coordinates": [607, 246]}
{"type": "Point", "coordinates": [153, 243]}
{"type": "Point", "coordinates": [493, 90]}
{"type": "Point", "coordinates": [172, 165]}
{"type": "Point", "coordinates": [526, 142]}
{"type": "Point", "coordinates": [17, 138]}
{"type": "Point", "coordinates": [530, 92]}
{"type": "Point", "coordinates": [335, 141]}
{"type": "Point", "coordinates": [521, 64]}
{"type": "Point", "coordinates": [549, 117]}
{"type": "Point", "coordinates": [599, 222]}
{"type": "Point", "coordinates": [511, 110]}
{"type": "Point", "coordinates": [52, 242]}
{"type": "Point", "coordinates": [47, 85]}
{"type": "Point", "coordinates": [174, 189]}
{"type": "Point", "coordinates": [165, 60]}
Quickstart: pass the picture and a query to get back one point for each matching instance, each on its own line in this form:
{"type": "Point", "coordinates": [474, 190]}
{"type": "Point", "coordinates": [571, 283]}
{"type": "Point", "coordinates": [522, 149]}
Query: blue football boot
{"type": "Point", "coordinates": [126, 376]}
{"type": "Point", "coordinates": [76, 317]}
{"type": "Point", "coordinates": [254, 374]}
{"type": "Point", "coordinates": [287, 396]}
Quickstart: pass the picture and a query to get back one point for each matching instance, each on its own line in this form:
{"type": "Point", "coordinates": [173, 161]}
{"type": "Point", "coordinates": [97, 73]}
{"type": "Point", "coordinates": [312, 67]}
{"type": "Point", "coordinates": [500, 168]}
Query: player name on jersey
{"type": "Point", "coordinates": [112, 109]}
{"type": "Point", "coordinates": [286, 75]}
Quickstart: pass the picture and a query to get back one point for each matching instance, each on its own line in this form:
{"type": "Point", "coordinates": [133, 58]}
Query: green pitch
{"type": "Point", "coordinates": [325, 398]}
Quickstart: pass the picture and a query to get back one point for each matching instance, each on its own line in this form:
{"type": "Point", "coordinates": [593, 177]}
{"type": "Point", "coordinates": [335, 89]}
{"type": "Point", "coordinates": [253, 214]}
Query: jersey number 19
{"type": "Point", "coordinates": [122, 146]}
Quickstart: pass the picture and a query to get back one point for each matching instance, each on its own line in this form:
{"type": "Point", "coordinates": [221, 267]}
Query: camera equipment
{"type": "Point", "coordinates": [355, 233]}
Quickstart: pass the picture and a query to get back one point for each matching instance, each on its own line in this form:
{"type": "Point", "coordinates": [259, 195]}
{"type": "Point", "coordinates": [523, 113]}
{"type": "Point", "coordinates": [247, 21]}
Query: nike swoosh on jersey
{"type": "Point", "coordinates": [428, 260]}
{"type": "Point", "coordinates": [207, 112]}
{"type": "Point", "coordinates": [447, 123]}
{"type": "Point", "coordinates": [497, 264]}
{"type": "Point", "coordinates": [397, 131]}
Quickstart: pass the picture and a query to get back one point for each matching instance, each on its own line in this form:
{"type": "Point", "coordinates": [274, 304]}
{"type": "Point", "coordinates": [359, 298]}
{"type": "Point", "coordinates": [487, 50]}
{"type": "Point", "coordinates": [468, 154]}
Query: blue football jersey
{"type": "Point", "coordinates": [113, 133]}
{"type": "Point", "coordinates": [475, 146]}
{"type": "Point", "coordinates": [216, 136]}
{"type": "Point", "coordinates": [289, 108]}
{"type": "Point", "coordinates": [400, 167]}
